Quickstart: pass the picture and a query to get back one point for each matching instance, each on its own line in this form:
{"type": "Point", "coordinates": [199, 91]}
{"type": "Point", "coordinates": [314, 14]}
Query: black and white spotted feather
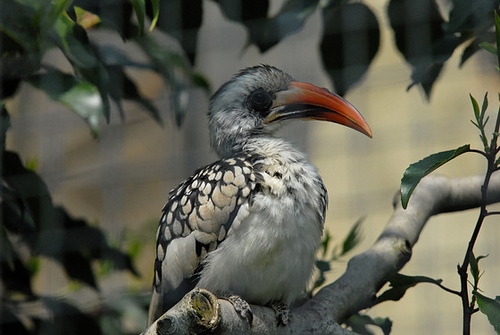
{"type": "Point", "coordinates": [199, 214]}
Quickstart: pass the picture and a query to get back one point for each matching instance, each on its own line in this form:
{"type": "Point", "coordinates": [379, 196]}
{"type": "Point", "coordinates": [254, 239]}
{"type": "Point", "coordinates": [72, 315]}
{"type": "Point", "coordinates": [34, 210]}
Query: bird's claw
{"type": "Point", "coordinates": [281, 311]}
{"type": "Point", "coordinates": [240, 306]}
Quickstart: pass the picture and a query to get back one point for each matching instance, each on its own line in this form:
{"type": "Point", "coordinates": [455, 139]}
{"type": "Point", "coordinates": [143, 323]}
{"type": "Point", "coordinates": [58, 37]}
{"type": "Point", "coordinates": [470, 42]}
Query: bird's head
{"type": "Point", "coordinates": [257, 99]}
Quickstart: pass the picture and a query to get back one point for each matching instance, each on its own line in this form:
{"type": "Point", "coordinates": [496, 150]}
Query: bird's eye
{"type": "Point", "coordinates": [260, 100]}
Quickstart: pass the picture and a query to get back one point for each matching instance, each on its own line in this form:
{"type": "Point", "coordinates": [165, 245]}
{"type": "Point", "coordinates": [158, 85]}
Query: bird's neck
{"type": "Point", "coordinates": [276, 149]}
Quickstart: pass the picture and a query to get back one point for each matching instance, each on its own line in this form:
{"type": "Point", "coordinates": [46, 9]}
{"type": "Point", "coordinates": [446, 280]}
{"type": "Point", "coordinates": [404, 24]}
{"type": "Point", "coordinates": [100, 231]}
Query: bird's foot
{"type": "Point", "coordinates": [281, 311]}
{"type": "Point", "coordinates": [240, 306]}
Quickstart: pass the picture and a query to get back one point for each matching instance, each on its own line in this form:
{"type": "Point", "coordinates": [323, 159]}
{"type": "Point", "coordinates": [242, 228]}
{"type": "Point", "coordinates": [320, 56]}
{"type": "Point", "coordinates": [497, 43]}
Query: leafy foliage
{"type": "Point", "coordinates": [491, 308]}
{"type": "Point", "coordinates": [400, 283]}
{"type": "Point", "coordinates": [350, 41]}
{"type": "Point", "coordinates": [33, 227]}
{"type": "Point", "coordinates": [416, 171]}
{"type": "Point", "coordinates": [324, 262]}
{"type": "Point", "coordinates": [359, 324]}
{"type": "Point", "coordinates": [99, 71]}
{"type": "Point", "coordinates": [351, 32]}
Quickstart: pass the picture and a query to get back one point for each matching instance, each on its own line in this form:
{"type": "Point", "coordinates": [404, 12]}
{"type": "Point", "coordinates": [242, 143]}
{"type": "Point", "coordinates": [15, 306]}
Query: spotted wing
{"type": "Point", "coordinates": [198, 216]}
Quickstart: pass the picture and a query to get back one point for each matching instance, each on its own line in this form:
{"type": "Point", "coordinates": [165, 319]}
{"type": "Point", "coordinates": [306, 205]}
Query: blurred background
{"type": "Point", "coordinates": [121, 179]}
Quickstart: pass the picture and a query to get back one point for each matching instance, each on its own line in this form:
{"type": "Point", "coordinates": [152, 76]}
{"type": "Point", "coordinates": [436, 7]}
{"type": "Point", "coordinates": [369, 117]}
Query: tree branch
{"type": "Point", "coordinates": [356, 289]}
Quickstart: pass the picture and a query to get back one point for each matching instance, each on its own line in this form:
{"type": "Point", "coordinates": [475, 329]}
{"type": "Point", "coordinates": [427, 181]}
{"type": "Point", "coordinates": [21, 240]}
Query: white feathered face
{"type": "Point", "coordinates": [255, 100]}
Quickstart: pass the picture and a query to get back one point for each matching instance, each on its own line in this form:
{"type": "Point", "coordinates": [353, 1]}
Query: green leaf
{"type": "Point", "coordinates": [476, 45]}
{"type": "Point", "coordinates": [325, 242]}
{"type": "Point", "coordinates": [66, 318]}
{"type": "Point", "coordinates": [359, 324]}
{"type": "Point", "coordinates": [16, 278]}
{"type": "Point", "coordinates": [82, 97]}
{"type": "Point", "coordinates": [85, 100]}
{"type": "Point", "coordinates": [184, 25]}
{"type": "Point", "coordinates": [491, 308]}
{"type": "Point", "coordinates": [488, 47]}
{"type": "Point", "coordinates": [6, 250]}
{"type": "Point", "coordinates": [475, 106]}
{"type": "Point", "coordinates": [421, 39]}
{"type": "Point", "coordinates": [31, 192]}
{"type": "Point", "coordinates": [349, 43]}
{"type": "Point", "coordinates": [353, 237]}
{"type": "Point", "coordinates": [174, 69]}
{"type": "Point", "coordinates": [4, 125]}
{"type": "Point", "coordinates": [480, 121]}
{"type": "Point", "coordinates": [401, 283]}
{"type": "Point", "coordinates": [266, 32]}
{"type": "Point", "coordinates": [140, 12]}
{"type": "Point", "coordinates": [416, 171]}
{"type": "Point", "coordinates": [497, 30]}
{"type": "Point", "coordinates": [125, 88]}
{"type": "Point", "coordinates": [474, 267]}
{"type": "Point", "coordinates": [155, 4]}
{"type": "Point", "coordinates": [116, 15]}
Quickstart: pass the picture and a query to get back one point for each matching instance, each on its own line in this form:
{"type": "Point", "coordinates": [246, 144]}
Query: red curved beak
{"type": "Point", "coordinates": [310, 102]}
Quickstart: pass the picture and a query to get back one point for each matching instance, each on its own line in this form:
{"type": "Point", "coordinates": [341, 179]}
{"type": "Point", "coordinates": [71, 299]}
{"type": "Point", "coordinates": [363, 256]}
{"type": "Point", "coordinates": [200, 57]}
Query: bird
{"type": "Point", "coordinates": [247, 227]}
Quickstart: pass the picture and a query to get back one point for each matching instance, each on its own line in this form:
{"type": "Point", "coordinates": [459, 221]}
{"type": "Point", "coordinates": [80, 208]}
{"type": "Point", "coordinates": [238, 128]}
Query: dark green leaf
{"type": "Point", "coordinates": [119, 260]}
{"type": "Point", "coordinates": [475, 106]}
{"type": "Point", "coordinates": [200, 81]}
{"type": "Point", "coordinates": [17, 22]}
{"type": "Point", "coordinates": [176, 73]}
{"type": "Point", "coordinates": [6, 250]}
{"type": "Point", "coordinates": [11, 324]}
{"type": "Point", "coordinates": [78, 267]}
{"type": "Point", "coordinates": [114, 14]}
{"type": "Point", "coordinates": [400, 284]}
{"type": "Point", "coordinates": [4, 125]}
{"type": "Point", "coordinates": [66, 319]}
{"type": "Point", "coordinates": [491, 308]}
{"type": "Point", "coordinates": [480, 121]}
{"type": "Point", "coordinates": [484, 106]}
{"type": "Point", "coordinates": [155, 5]}
{"type": "Point", "coordinates": [416, 171]}
{"type": "Point", "coordinates": [474, 268]}
{"type": "Point", "coordinates": [475, 45]}
{"type": "Point", "coordinates": [112, 56]}
{"type": "Point", "coordinates": [85, 100]}
{"type": "Point", "coordinates": [28, 188]}
{"type": "Point", "coordinates": [79, 245]}
{"type": "Point", "coordinates": [353, 237]}
{"type": "Point", "coordinates": [81, 97]}
{"type": "Point", "coordinates": [471, 16]}
{"type": "Point", "coordinates": [497, 31]}
{"type": "Point", "coordinates": [180, 19]}
{"type": "Point", "coordinates": [73, 41]}
{"type": "Point", "coordinates": [359, 324]}
{"type": "Point", "coordinates": [125, 88]}
{"type": "Point", "coordinates": [419, 34]}
{"type": "Point", "coordinates": [140, 12]}
{"type": "Point", "coordinates": [252, 14]}
{"type": "Point", "coordinates": [350, 41]}
{"type": "Point", "coordinates": [325, 242]}
{"type": "Point", "coordinates": [323, 267]}
{"type": "Point", "coordinates": [15, 278]}
{"type": "Point", "coordinates": [488, 47]}
{"type": "Point", "coordinates": [267, 32]}
{"type": "Point", "coordinates": [416, 25]}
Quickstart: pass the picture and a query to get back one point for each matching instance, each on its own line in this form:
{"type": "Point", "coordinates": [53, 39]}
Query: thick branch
{"type": "Point", "coordinates": [366, 273]}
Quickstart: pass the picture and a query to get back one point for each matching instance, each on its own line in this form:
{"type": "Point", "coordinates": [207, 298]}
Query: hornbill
{"type": "Point", "coordinates": [247, 227]}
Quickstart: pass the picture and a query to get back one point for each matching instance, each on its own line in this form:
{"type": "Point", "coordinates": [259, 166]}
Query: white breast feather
{"type": "Point", "coordinates": [270, 255]}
